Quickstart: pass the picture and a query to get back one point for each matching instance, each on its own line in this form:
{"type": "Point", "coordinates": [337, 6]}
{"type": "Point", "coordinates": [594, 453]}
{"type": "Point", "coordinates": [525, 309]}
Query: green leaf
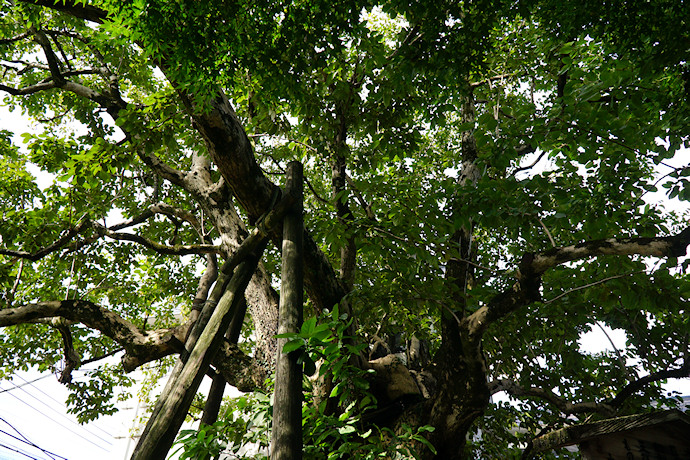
{"type": "Point", "coordinates": [293, 345]}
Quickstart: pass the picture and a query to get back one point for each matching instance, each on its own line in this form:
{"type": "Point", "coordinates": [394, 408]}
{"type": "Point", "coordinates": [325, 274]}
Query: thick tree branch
{"type": "Point", "coordinates": [532, 266]}
{"type": "Point", "coordinates": [232, 153]}
{"type": "Point", "coordinates": [76, 9]}
{"type": "Point", "coordinates": [140, 346]}
{"type": "Point", "coordinates": [178, 249]}
{"type": "Point", "coordinates": [560, 403]}
{"type": "Point", "coordinates": [72, 359]}
{"type": "Point", "coordinates": [32, 89]}
{"type": "Point", "coordinates": [669, 246]}
{"type": "Point", "coordinates": [133, 339]}
{"type": "Point", "coordinates": [57, 245]}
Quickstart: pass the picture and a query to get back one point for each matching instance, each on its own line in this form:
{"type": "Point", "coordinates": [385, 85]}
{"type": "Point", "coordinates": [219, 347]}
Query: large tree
{"type": "Point", "coordinates": [482, 188]}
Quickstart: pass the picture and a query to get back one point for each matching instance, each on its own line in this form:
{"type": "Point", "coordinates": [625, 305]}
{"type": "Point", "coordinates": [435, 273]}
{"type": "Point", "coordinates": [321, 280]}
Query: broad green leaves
{"type": "Point", "coordinates": [579, 115]}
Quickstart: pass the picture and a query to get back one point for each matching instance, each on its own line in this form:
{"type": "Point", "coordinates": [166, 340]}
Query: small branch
{"type": "Point", "coordinates": [594, 283]}
{"type": "Point", "coordinates": [160, 208]}
{"type": "Point", "coordinates": [143, 217]}
{"type": "Point", "coordinates": [161, 168]}
{"type": "Point", "coordinates": [15, 286]}
{"type": "Point", "coordinates": [681, 372]}
{"type": "Point", "coordinates": [491, 79]}
{"type": "Point", "coordinates": [529, 149]}
{"type": "Point", "coordinates": [16, 38]}
{"type": "Point", "coordinates": [315, 193]}
{"type": "Point", "coordinates": [548, 233]}
{"type": "Point", "coordinates": [362, 202]}
{"type": "Point", "coordinates": [621, 361]}
{"type": "Point", "coordinates": [412, 36]}
{"type": "Point", "coordinates": [177, 249]}
{"type": "Point", "coordinates": [62, 241]}
{"type": "Point", "coordinates": [98, 358]}
{"type": "Point", "coordinates": [493, 270]}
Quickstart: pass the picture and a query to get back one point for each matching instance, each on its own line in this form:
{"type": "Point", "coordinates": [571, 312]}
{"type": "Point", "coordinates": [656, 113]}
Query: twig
{"type": "Point", "coordinates": [523, 168]}
{"type": "Point", "coordinates": [601, 281]}
{"type": "Point", "coordinates": [362, 202]}
{"type": "Point", "coordinates": [15, 286]}
{"type": "Point", "coordinates": [548, 233]}
{"type": "Point", "coordinates": [460, 259]}
{"type": "Point", "coordinates": [618, 353]}
{"type": "Point", "coordinates": [494, 78]}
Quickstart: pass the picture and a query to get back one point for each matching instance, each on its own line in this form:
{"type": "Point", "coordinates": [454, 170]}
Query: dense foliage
{"type": "Point", "coordinates": [485, 183]}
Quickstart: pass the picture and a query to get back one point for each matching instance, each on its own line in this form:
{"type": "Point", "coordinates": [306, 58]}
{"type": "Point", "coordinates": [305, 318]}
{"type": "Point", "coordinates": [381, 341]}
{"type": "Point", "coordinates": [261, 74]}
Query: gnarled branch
{"type": "Point", "coordinates": [606, 407]}
{"type": "Point", "coordinates": [563, 405]}
{"type": "Point", "coordinates": [532, 266]}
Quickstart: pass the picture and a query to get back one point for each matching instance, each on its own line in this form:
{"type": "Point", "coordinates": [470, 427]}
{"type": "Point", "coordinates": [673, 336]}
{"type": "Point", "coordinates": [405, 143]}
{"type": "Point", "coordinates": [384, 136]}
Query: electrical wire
{"type": "Point", "coordinates": [14, 387]}
{"type": "Point", "coordinates": [53, 457]}
{"type": "Point", "coordinates": [25, 440]}
{"type": "Point", "coordinates": [13, 449]}
{"type": "Point", "coordinates": [56, 422]}
{"type": "Point", "coordinates": [63, 415]}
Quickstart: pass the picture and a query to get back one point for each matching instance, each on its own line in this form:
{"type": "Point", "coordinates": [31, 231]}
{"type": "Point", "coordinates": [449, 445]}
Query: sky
{"type": "Point", "coordinates": [32, 411]}
{"type": "Point", "coordinates": [33, 418]}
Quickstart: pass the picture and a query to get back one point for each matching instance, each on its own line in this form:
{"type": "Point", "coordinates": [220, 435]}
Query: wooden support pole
{"type": "Point", "coordinates": [215, 393]}
{"type": "Point", "coordinates": [257, 239]}
{"type": "Point", "coordinates": [171, 408]}
{"type": "Point", "coordinates": [286, 435]}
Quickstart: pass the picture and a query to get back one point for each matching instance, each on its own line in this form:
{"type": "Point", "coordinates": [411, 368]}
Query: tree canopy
{"type": "Point", "coordinates": [485, 182]}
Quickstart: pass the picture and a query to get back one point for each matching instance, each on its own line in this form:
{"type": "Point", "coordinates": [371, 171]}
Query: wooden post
{"type": "Point", "coordinates": [172, 405]}
{"type": "Point", "coordinates": [215, 393]}
{"type": "Point", "coordinates": [286, 435]}
{"type": "Point", "coordinates": [171, 408]}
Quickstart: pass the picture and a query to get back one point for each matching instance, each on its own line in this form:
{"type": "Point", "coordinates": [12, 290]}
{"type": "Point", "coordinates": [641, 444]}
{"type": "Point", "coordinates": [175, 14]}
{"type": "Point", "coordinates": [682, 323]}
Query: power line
{"type": "Point", "coordinates": [25, 440]}
{"type": "Point", "coordinates": [13, 449]}
{"type": "Point", "coordinates": [50, 454]}
{"type": "Point", "coordinates": [56, 422]}
{"type": "Point", "coordinates": [63, 415]}
{"type": "Point", "coordinates": [14, 387]}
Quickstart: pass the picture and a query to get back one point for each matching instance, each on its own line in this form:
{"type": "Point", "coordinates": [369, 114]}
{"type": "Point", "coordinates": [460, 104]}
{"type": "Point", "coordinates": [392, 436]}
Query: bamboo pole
{"type": "Point", "coordinates": [286, 435]}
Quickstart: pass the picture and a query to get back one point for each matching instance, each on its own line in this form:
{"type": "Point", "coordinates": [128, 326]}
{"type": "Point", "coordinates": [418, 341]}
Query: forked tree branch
{"type": "Point", "coordinates": [123, 331]}
{"type": "Point", "coordinates": [140, 346]}
{"type": "Point", "coordinates": [606, 407]}
{"type": "Point", "coordinates": [86, 224]}
{"type": "Point", "coordinates": [560, 403]}
{"type": "Point", "coordinates": [532, 267]}
{"type": "Point", "coordinates": [178, 249]}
